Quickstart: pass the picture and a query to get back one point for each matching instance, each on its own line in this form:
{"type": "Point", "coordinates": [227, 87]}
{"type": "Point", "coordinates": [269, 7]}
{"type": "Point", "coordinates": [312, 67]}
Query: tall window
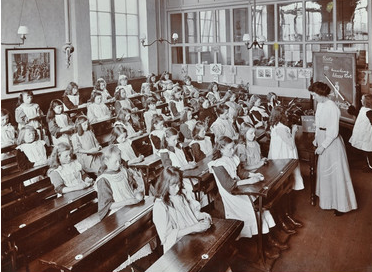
{"type": "Point", "coordinates": [114, 28]}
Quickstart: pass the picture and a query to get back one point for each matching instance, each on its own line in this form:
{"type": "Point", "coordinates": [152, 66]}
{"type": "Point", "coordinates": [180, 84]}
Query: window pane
{"type": "Point", "coordinates": [105, 47]}
{"type": "Point", "coordinates": [120, 6]}
{"type": "Point", "coordinates": [121, 47]}
{"type": "Point", "coordinates": [177, 56]}
{"type": "Point", "coordinates": [361, 53]}
{"type": "Point", "coordinates": [190, 27]}
{"type": "Point", "coordinates": [93, 4]}
{"type": "Point", "coordinates": [132, 6]}
{"type": "Point", "coordinates": [224, 55]}
{"type": "Point", "coordinates": [104, 23]}
{"type": "Point", "coordinates": [120, 24]}
{"type": "Point", "coordinates": [310, 48]}
{"type": "Point", "coordinates": [223, 25]}
{"type": "Point", "coordinates": [241, 55]}
{"type": "Point", "coordinates": [133, 44]}
{"type": "Point", "coordinates": [94, 47]}
{"type": "Point", "coordinates": [265, 30]}
{"type": "Point", "coordinates": [240, 24]}
{"type": "Point", "coordinates": [290, 22]}
{"type": "Point", "coordinates": [104, 5]}
{"type": "Point", "coordinates": [207, 56]}
{"type": "Point", "coordinates": [132, 24]}
{"type": "Point", "coordinates": [93, 23]}
{"type": "Point", "coordinates": [291, 55]}
{"type": "Point", "coordinates": [319, 17]}
{"type": "Point", "coordinates": [264, 56]}
{"type": "Point", "coordinates": [352, 20]}
{"type": "Point", "coordinates": [206, 26]}
{"type": "Point", "coordinates": [191, 55]}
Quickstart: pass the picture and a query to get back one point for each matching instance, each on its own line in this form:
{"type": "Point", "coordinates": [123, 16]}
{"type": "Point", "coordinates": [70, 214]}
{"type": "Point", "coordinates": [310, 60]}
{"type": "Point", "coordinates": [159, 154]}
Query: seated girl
{"type": "Point", "coordinates": [187, 124]}
{"type": "Point", "coordinates": [272, 102]}
{"type": "Point", "coordinates": [258, 112]}
{"type": "Point", "coordinates": [150, 89]}
{"type": "Point", "coordinates": [85, 145]}
{"type": "Point", "coordinates": [66, 173]}
{"type": "Point", "coordinates": [223, 126]}
{"type": "Point", "coordinates": [124, 118]}
{"type": "Point", "coordinates": [151, 111]}
{"type": "Point", "coordinates": [123, 83]}
{"type": "Point", "coordinates": [175, 214]}
{"type": "Point", "coordinates": [201, 145]}
{"type": "Point", "coordinates": [31, 150]}
{"type": "Point", "coordinates": [165, 81]}
{"type": "Point", "coordinates": [207, 113]}
{"type": "Point", "coordinates": [100, 87]}
{"type": "Point", "coordinates": [122, 100]}
{"type": "Point", "coordinates": [188, 88]}
{"type": "Point", "coordinates": [157, 134]}
{"type": "Point", "coordinates": [214, 95]}
{"type": "Point", "coordinates": [60, 125]}
{"type": "Point", "coordinates": [71, 98]}
{"type": "Point", "coordinates": [176, 103]}
{"type": "Point", "coordinates": [8, 131]}
{"type": "Point", "coordinates": [97, 110]}
{"type": "Point", "coordinates": [119, 138]}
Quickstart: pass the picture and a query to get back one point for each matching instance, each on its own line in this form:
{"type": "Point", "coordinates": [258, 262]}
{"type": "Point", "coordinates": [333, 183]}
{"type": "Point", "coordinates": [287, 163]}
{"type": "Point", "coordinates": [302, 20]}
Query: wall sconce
{"type": "Point", "coordinates": [23, 31]}
{"type": "Point", "coordinates": [255, 43]}
{"type": "Point", "coordinates": [174, 38]}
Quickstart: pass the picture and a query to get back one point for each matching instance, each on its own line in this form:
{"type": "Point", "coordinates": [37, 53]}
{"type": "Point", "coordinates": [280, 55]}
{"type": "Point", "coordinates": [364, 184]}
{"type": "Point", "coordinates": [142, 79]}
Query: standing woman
{"type": "Point", "coordinates": [333, 186]}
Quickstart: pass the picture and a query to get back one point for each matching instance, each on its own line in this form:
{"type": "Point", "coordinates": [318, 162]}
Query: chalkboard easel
{"type": "Point", "coordinates": [340, 69]}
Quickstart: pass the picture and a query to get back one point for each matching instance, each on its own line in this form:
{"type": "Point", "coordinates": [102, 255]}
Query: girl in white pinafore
{"type": "Point", "coordinates": [239, 207]}
{"type": "Point", "coordinates": [282, 143]}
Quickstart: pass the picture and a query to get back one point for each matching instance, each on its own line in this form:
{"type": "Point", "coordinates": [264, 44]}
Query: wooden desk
{"type": "Point", "coordinates": [201, 251]}
{"type": "Point", "coordinates": [107, 244]}
{"type": "Point", "coordinates": [148, 163]}
{"type": "Point", "coordinates": [201, 173]}
{"type": "Point", "coordinates": [272, 188]}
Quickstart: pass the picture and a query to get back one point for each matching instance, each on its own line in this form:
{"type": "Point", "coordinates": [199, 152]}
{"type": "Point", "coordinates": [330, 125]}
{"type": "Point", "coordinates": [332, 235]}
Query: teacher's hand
{"type": "Point", "coordinates": [319, 150]}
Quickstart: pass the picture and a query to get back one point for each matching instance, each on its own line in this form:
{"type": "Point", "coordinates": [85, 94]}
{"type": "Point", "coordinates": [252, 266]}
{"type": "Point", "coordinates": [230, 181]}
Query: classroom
{"type": "Point", "coordinates": [186, 135]}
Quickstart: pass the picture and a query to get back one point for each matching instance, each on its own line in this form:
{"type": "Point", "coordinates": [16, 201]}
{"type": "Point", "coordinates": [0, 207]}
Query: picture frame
{"type": "Point", "coordinates": [30, 69]}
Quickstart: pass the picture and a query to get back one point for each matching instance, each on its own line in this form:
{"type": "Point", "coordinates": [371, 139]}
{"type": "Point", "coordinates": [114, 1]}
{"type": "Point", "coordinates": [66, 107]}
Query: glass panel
{"type": "Point", "coordinates": [132, 6]}
{"type": "Point", "coordinates": [133, 46]}
{"type": "Point", "coordinates": [310, 48]}
{"type": "Point", "coordinates": [94, 46]}
{"type": "Point", "coordinates": [265, 30]}
{"type": "Point", "coordinates": [121, 47]}
{"type": "Point", "coordinates": [132, 24]}
{"type": "Point", "coordinates": [319, 20]}
{"type": "Point", "coordinates": [120, 24]}
{"type": "Point", "coordinates": [223, 25]}
{"type": "Point", "coordinates": [176, 25]}
{"type": "Point", "coordinates": [93, 23]}
{"type": "Point", "coordinates": [290, 22]}
{"type": "Point", "coordinates": [93, 4]}
{"type": "Point", "coordinates": [190, 27]}
{"type": "Point", "coordinates": [104, 23]}
{"type": "Point", "coordinates": [223, 55]}
{"type": "Point", "coordinates": [241, 55]}
{"type": "Point", "coordinates": [291, 55]}
{"type": "Point", "coordinates": [264, 56]}
{"type": "Point", "coordinates": [105, 47]}
{"type": "Point", "coordinates": [177, 56]}
{"type": "Point", "coordinates": [352, 20]}
{"type": "Point", "coordinates": [361, 52]}
{"type": "Point", "coordinates": [120, 6]}
{"type": "Point", "coordinates": [240, 23]}
{"type": "Point", "coordinates": [191, 55]}
{"type": "Point", "coordinates": [207, 56]}
{"type": "Point", "coordinates": [104, 5]}
{"type": "Point", "coordinates": [206, 26]}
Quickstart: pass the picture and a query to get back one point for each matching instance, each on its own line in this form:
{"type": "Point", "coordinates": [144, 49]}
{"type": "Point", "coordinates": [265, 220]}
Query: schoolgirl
{"type": "Point", "coordinates": [176, 103]}
{"type": "Point", "coordinates": [151, 111]}
{"type": "Point", "coordinates": [124, 118]}
{"type": "Point", "coordinates": [223, 126]}
{"type": "Point", "coordinates": [201, 145]}
{"type": "Point", "coordinates": [71, 98]}
{"type": "Point", "coordinates": [100, 87]}
{"type": "Point", "coordinates": [97, 110]}
{"type": "Point", "coordinates": [157, 134]}
{"type": "Point", "coordinates": [187, 124]}
{"type": "Point", "coordinates": [258, 112]}
{"type": "Point", "coordinates": [8, 131]}
{"type": "Point", "coordinates": [122, 100]}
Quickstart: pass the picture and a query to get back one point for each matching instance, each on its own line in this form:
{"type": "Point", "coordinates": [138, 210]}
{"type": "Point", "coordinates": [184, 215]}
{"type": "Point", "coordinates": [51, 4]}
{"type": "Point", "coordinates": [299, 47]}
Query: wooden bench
{"type": "Point", "coordinates": [106, 245]}
{"type": "Point", "coordinates": [47, 225]}
{"type": "Point", "coordinates": [205, 251]}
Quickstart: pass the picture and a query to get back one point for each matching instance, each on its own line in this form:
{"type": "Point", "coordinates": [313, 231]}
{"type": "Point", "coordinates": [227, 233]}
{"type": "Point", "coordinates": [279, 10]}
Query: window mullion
{"type": "Point", "coordinates": [113, 31]}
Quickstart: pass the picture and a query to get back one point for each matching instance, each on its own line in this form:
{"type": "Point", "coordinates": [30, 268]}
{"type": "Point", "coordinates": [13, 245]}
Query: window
{"type": "Point", "coordinates": [114, 28]}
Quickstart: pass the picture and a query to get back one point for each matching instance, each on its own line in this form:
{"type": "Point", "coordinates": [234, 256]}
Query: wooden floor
{"type": "Point", "coordinates": [328, 243]}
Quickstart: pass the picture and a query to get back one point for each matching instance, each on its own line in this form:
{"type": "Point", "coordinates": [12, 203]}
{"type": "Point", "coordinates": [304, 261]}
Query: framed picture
{"type": "Point", "coordinates": [30, 69]}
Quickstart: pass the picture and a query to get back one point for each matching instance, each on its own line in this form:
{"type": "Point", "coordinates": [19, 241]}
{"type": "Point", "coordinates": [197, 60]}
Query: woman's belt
{"type": "Point", "coordinates": [321, 128]}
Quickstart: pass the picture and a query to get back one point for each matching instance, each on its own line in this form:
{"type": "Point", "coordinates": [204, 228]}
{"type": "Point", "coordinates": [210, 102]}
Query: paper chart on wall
{"type": "Point", "coordinates": [291, 74]}
{"type": "Point", "coordinates": [215, 68]}
{"type": "Point", "coordinates": [279, 74]}
{"type": "Point", "coordinates": [305, 72]}
{"type": "Point", "coordinates": [199, 69]}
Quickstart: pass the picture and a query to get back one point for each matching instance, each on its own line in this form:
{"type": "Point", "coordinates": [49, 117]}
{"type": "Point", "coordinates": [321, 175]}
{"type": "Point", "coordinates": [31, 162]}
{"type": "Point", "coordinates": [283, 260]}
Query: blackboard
{"type": "Point", "coordinates": [340, 68]}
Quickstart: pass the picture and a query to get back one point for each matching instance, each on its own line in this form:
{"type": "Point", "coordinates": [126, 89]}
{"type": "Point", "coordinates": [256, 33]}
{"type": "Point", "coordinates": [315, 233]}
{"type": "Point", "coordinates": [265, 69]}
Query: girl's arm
{"type": "Point", "coordinates": [22, 160]}
{"type": "Point", "coordinates": [59, 184]}
{"type": "Point", "coordinates": [54, 129]}
{"type": "Point", "coordinates": [20, 116]}
{"type": "Point", "coordinates": [186, 132]}
{"type": "Point", "coordinates": [196, 152]}
{"type": "Point", "coordinates": [117, 106]}
{"type": "Point", "coordinates": [68, 102]}
{"type": "Point", "coordinates": [224, 178]}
